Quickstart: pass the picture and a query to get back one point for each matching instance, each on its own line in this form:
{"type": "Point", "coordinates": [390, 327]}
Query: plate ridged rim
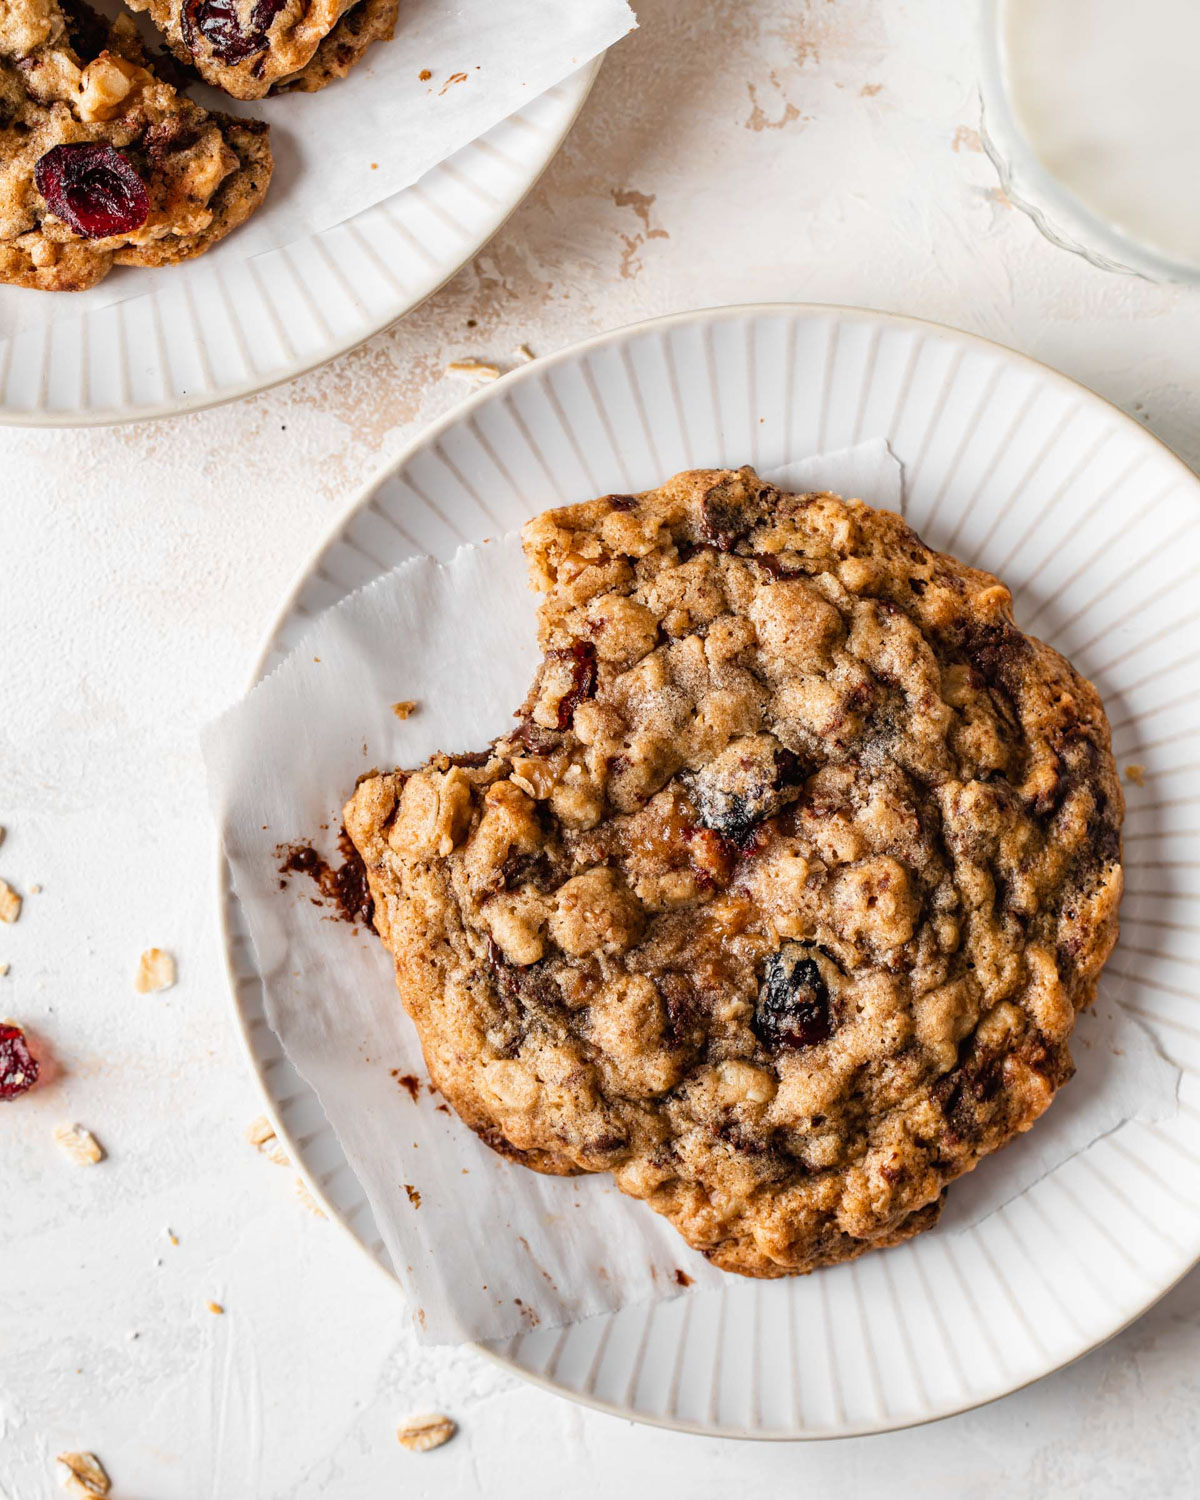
{"type": "Point", "coordinates": [263, 1050]}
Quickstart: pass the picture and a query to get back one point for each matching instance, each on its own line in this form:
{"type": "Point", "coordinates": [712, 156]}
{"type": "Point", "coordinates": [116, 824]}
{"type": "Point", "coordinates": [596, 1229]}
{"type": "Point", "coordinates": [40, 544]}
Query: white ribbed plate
{"type": "Point", "coordinates": [1096, 527]}
{"type": "Point", "coordinates": [243, 325]}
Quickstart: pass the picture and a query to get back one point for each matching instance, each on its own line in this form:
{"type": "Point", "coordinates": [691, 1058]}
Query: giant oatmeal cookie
{"type": "Point", "coordinates": [781, 902]}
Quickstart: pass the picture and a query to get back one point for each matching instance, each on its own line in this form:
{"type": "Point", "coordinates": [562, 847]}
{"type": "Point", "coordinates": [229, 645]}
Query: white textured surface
{"type": "Point", "coordinates": [140, 569]}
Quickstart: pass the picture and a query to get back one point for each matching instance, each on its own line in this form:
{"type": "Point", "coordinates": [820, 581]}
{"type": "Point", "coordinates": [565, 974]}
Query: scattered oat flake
{"type": "Point", "coordinates": [156, 971]}
{"type": "Point", "coordinates": [82, 1474]}
{"type": "Point", "coordinates": [474, 369]}
{"type": "Point", "coordinates": [405, 708]}
{"type": "Point", "coordinates": [10, 903]}
{"type": "Point", "coordinates": [1136, 774]}
{"type": "Point", "coordinates": [307, 1200]}
{"type": "Point", "coordinates": [80, 1145]}
{"type": "Point", "coordinates": [215, 1308]}
{"type": "Point", "coordinates": [420, 1434]}
{"type": "Point", "coordinates": [261, 1135]}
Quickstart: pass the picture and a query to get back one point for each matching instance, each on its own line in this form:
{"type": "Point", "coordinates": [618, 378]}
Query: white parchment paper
{"type": "Point", "coordinates": [484, 1247]}
{"type": "Point", "coordinates": [378, 130]}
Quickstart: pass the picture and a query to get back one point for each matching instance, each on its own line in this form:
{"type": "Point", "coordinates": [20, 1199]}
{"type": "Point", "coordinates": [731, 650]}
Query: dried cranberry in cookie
{"type": "Point", "coordinates": [794, 1008]}
{"type": "Point", "coordinates": [232, 32]}
{"type": "Point", "coordinates": [782, 901]}
{"type": "Point", "coordinates": [92, 188]}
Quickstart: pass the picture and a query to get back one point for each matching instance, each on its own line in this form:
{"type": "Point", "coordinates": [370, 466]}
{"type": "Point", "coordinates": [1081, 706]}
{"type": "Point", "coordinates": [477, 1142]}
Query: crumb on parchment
{"type": "Point", "coordinates": [1135, 773]}
{"type": "Point", "coordinates": [405, 708]}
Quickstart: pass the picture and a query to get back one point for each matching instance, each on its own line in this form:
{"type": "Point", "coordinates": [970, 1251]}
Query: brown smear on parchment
{"type": "Point", "coordinates": [344, 889]}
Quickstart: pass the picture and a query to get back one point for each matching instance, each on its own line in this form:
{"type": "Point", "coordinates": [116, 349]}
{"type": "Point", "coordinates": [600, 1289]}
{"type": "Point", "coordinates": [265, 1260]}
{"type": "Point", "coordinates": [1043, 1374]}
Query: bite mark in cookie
{"type": "Point", "coordinates": [782, 900]}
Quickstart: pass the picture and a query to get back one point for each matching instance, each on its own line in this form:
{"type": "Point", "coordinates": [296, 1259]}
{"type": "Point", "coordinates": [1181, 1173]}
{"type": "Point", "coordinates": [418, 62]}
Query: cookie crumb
{"type": "Point", "coordinates": [420, 1434]}
{"type": "Point", "coordinates": [82, 1474]}
{"type": "Point", "coordinates": [10, 903]}
{"type": "Point", "coordinates": [79, 1145]}
{"type": "Point", "coordinates": [155, 971]}
{"type": "Point", "coordinates": [35, 889]}
{"type": "Point", "coordinates": [424, 75]}
{"type": "Point", "coordinates": [3, 970]}
{"type": "Point", "coordinates": [405, 708]}
{"type": "Point", "coordinates": [172, 1236]}
{"type": "Point", "coordinates": [1136, 773]}
{"type": "Point", "coordinates": [524, 353]}
{"type": "Point", "coordinates": [414, 1196]}
{"type": "Point", "coordinates": [474, 369]}
{"type": "Point", "coordinates": [215, 1308]}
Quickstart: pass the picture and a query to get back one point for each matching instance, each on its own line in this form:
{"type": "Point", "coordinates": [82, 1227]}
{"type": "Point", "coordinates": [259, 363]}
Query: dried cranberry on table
{"type": "Point", "coordinates": [18, 1066]}
{"type": "Point", "coordinates": [93, 189]}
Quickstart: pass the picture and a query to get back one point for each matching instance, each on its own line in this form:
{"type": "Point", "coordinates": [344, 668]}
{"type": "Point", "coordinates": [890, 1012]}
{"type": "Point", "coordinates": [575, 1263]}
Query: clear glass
{"type": "Point", "coordinates": [1057, 212]}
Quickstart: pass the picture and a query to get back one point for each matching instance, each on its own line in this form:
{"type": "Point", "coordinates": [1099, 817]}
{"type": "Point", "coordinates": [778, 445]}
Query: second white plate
{"type": "Point", "coordinates": [1096, 527]}
{"type": "Point", "coordinates": [244, 325]}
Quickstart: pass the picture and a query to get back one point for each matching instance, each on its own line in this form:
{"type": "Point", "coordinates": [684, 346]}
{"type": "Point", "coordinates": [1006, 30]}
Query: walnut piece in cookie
{"type": "Point", "coordinates": [782, 900]}
{"type": "Point", "coordinates": [102, 163]}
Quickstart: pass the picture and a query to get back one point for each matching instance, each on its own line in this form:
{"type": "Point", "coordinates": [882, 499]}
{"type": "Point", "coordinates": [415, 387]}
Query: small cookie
{"type": "Point", "coordinates": [782, 901]}
{"type": "Point", "coordinates": [102, 163]}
